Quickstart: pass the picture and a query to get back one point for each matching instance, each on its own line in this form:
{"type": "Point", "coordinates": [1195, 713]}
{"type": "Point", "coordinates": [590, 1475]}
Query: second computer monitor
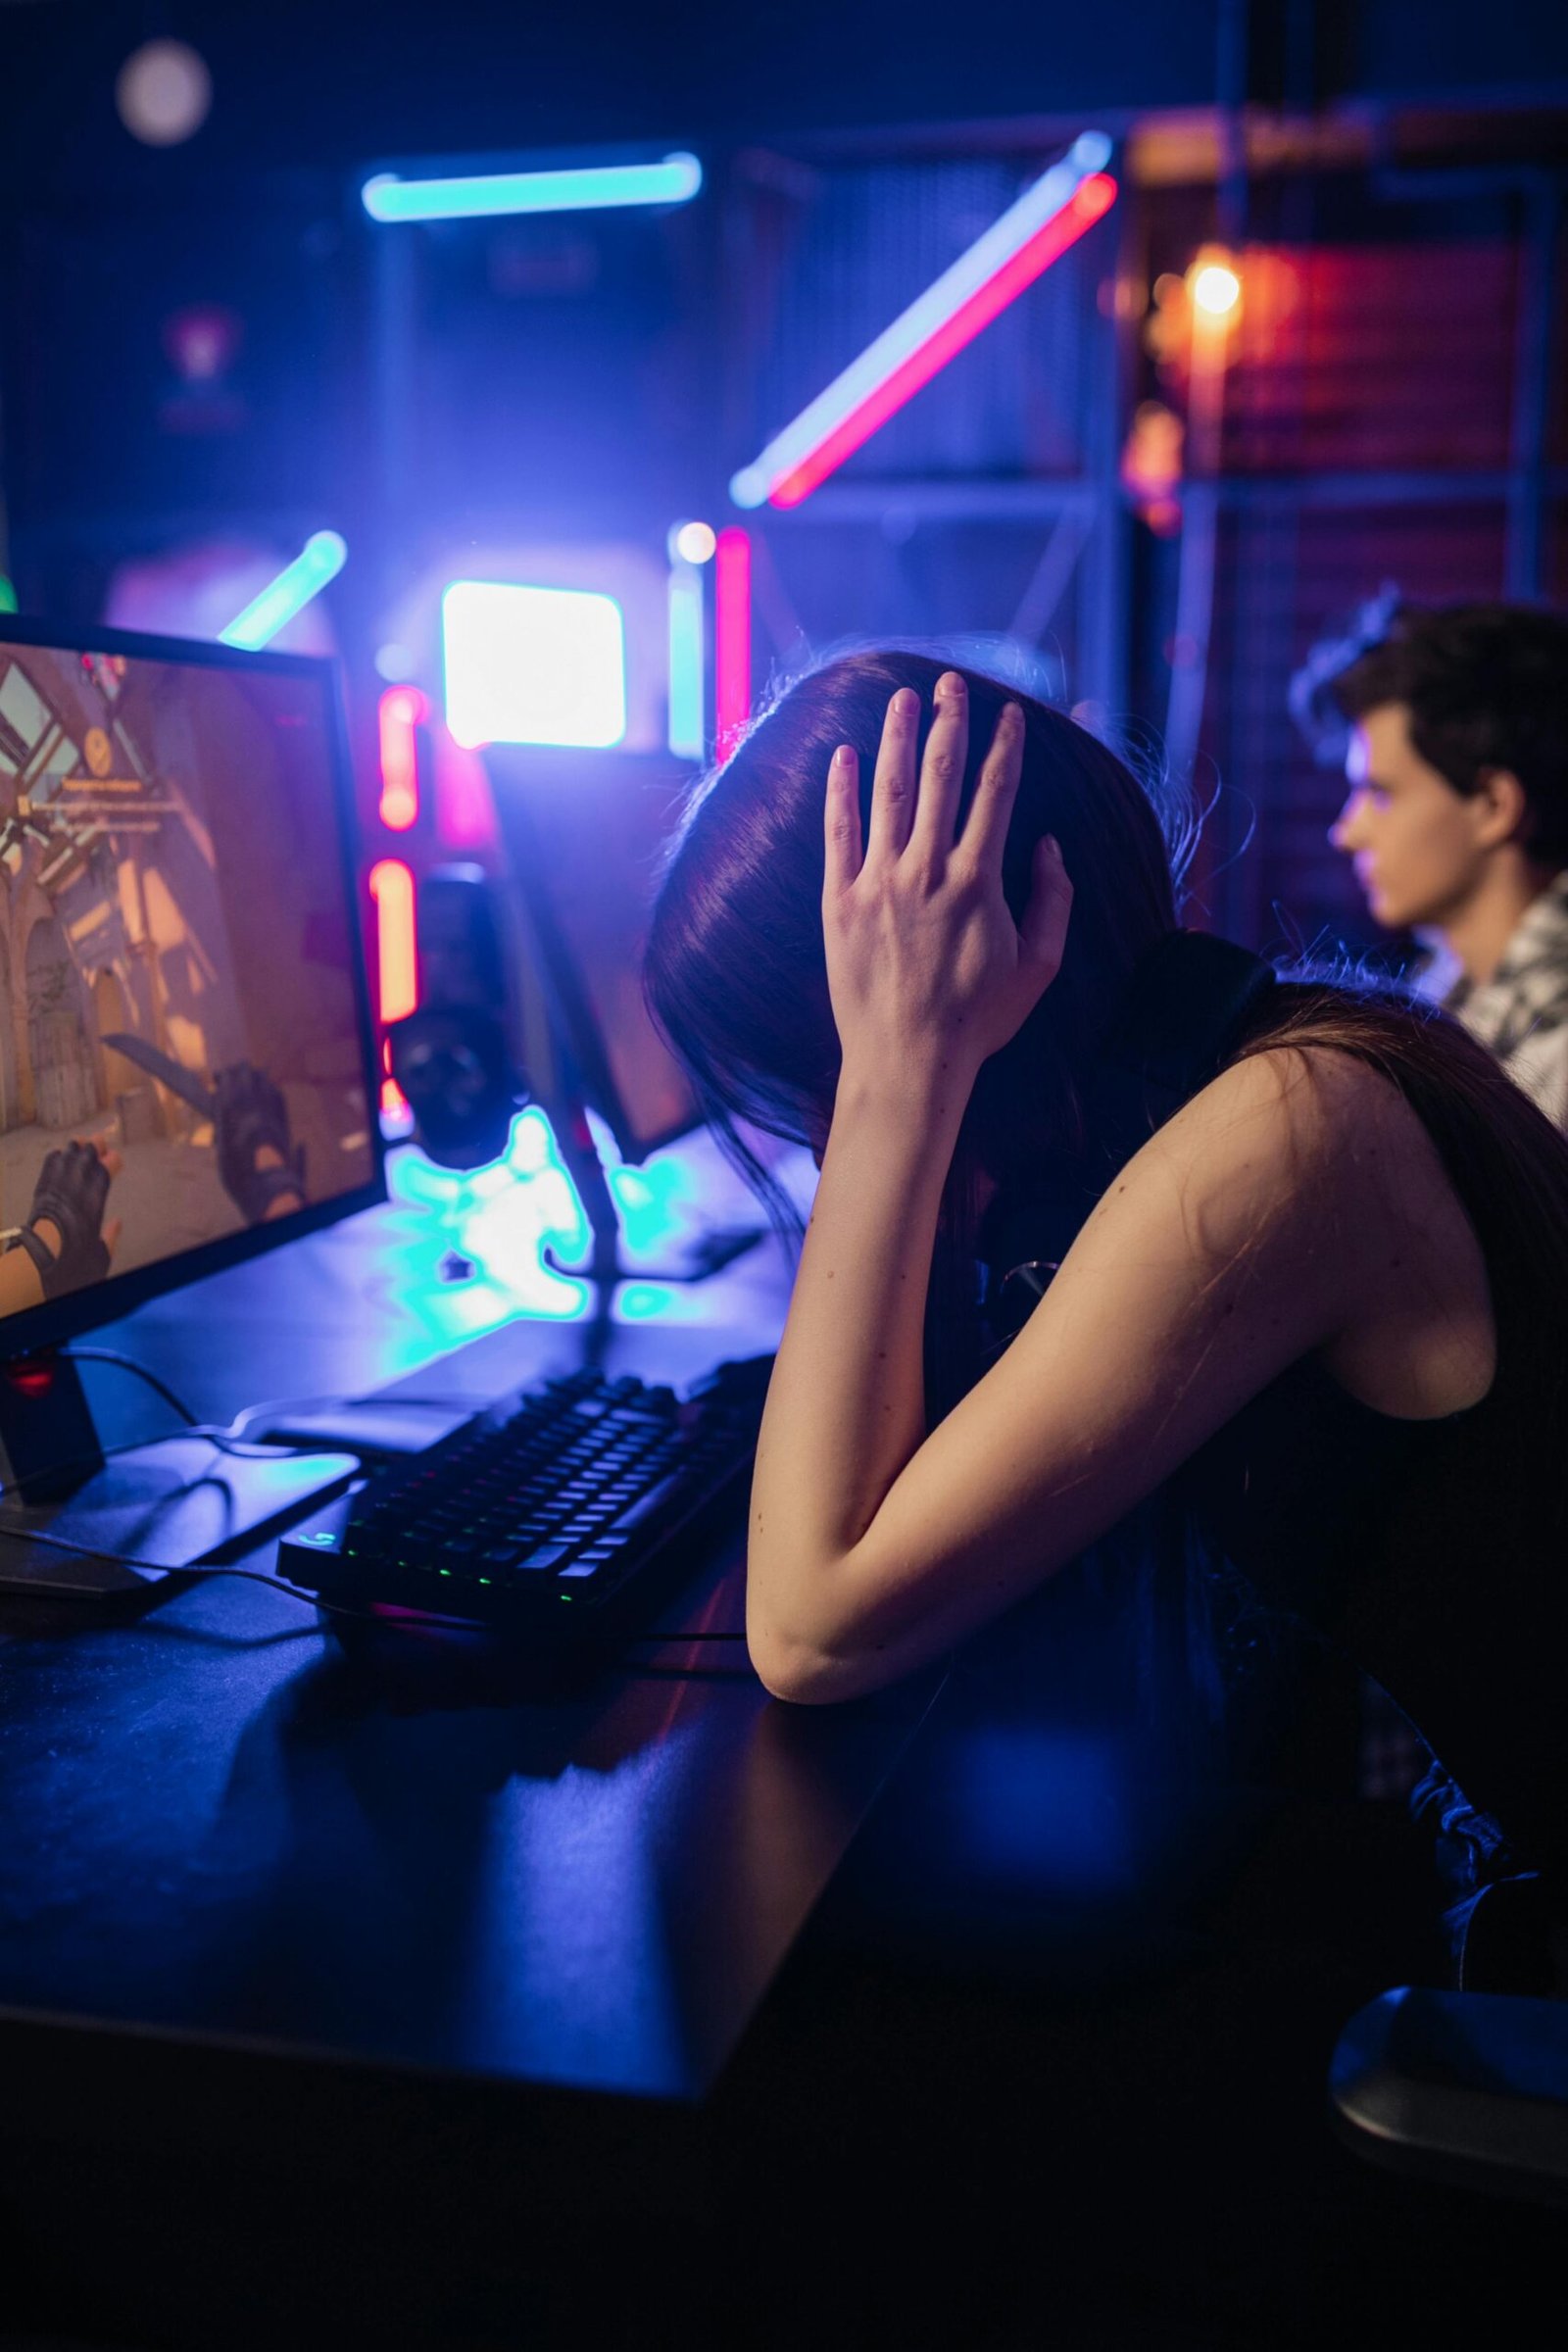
{"type": "Point", "coordinates": [584, 833]}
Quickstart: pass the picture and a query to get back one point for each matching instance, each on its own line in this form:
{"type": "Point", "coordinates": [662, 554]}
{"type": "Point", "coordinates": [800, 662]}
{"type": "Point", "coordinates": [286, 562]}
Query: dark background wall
{"type": "Point", "coordinates": [1395, 409]}
{"type": "Point", "coordinates": [305, 83]}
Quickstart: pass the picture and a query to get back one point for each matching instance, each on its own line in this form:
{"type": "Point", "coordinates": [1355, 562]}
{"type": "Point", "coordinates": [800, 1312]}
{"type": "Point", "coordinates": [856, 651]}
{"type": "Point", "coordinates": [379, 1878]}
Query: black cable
{"type": "Point", "coordinates": [242, 1421]}
{"type": "Point", "coordinates": [680, 1641]}
{"type": "Point", "coordinates": [127, 1559]}
{"type": "Point", "coordinates": [219, 1438]}
{"type": "Point", "coordinates": [229, 1438]}
{"type": "Point", "coordinates": [128, 1363]}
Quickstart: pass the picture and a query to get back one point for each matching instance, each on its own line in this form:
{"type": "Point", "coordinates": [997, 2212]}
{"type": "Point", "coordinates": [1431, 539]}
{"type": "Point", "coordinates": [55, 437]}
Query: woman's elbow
{"type": "Point", "coordinates": [807, 1673]}
{"type": "Point", "coordinates": [787, 1669]}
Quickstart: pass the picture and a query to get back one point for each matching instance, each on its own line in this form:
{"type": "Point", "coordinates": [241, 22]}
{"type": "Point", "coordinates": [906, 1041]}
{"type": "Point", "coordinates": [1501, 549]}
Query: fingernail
{"type": "Point", "coordinates": [907, 702]}
{"type": "Point", "coordinates": [951, 687]}
{"type": "Point", "coordinates": [843, 756]}
{"type": "Point", "coordinates": [1053, 846]}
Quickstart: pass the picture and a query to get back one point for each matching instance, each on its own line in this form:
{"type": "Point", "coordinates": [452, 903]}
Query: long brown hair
{"type": "Point", "coordinates": [736, 978]}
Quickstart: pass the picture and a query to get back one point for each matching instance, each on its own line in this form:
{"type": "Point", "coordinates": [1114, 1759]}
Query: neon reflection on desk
{"type": "Point", "coordinates": [501, 1217]}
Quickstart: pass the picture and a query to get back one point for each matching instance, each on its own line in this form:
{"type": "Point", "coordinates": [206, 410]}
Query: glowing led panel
{"type": "Point", "coordinates": [534, 665]}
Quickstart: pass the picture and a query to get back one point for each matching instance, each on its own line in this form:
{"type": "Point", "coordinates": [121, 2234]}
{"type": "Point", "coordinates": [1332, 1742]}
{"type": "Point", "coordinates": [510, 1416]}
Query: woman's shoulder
{"type": "Point", "coordinates": [1313, 1149]}
{"type": "Point", "coordinates": [1296, 1118]}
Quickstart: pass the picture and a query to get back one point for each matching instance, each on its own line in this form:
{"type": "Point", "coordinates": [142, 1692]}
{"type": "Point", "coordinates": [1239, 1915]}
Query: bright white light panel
{"type": "Point", "coordinates": [534, 665]}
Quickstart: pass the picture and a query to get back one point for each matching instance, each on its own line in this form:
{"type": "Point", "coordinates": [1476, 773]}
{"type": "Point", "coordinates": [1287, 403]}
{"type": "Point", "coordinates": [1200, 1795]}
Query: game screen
{"type": "Point", "coordinates": [180, 1043]}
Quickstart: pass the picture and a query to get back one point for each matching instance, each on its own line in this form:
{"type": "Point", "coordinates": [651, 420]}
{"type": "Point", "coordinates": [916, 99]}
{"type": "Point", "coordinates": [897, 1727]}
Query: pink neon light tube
{"type": "Point", "coordinates": [401, 711]}
{"type": "Point", "coordinates": [732, 636]}
{"type": "Point", "coordinates": [1089, 203]}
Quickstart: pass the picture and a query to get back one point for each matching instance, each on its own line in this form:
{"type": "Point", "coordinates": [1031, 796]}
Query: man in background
{"type": "Point", "coordinates": [1451, 723]}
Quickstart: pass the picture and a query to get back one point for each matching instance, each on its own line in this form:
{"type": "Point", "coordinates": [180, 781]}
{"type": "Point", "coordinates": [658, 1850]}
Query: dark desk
{"type": "Point", "coordinates": [222, 1825]}
{"type": "Point", "coordinates": [375, 2000]}
{"type": "Point", "coordinates": [231, 1839]}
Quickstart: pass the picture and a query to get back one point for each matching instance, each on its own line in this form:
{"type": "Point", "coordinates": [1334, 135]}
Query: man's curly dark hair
{"type": "Point", "coordinates": [1486, 687]}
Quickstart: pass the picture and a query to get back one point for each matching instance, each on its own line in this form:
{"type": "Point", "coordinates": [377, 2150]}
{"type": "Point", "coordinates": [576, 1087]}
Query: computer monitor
{"type": "Point", "coordinates": [187, 1072]}
{"type": "Point", "coordinates": [584, 832]}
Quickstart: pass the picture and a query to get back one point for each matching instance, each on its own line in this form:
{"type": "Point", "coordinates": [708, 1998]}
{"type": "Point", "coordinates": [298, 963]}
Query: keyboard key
{"type": "Point", "coordinates": [543, 1555]}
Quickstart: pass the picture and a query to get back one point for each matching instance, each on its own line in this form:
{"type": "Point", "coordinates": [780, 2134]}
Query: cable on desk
{"type": "Point", "coordinates": [128, 1559]}
{"type": "Point", "coordinates": [128, 1363]}
{"type": "Point", "coordinates": [228, 1437]}
{"type": "Point", "coordinates": [671, 1641]}
{"type": "Point", "coordinates": [242, 1421]}
{"type": "Point", "coordinates": [207, 1435]}
{"type": "Point", "coordinates": [305, 1404]}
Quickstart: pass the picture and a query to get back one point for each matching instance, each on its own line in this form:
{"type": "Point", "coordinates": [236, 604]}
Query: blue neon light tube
{"type": "Point", "coordinates": [320, 559]}
{"type": "Point", "coordinates": [591, 188]}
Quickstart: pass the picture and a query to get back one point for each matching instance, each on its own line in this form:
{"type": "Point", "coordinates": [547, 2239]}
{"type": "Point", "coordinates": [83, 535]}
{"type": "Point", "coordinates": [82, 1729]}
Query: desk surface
{"type": "Point", "coordinates": [223, 1822]}
{"type": "Point", "coordinates": [294, 1940]}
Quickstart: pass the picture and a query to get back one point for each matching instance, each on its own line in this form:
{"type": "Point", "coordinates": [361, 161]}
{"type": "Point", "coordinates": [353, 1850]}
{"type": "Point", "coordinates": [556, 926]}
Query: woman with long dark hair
{"type": "Point", "coordinates": [1301, 1250]}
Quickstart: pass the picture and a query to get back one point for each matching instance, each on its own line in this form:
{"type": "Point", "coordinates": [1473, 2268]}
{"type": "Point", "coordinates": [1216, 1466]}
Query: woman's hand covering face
{"type": "Point", "coordinates": [927, 970]}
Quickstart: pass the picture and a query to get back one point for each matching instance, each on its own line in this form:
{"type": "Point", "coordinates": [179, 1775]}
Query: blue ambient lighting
{"type": "Point", "coordinates": [320, 559]}
{"type": "Point", "coordinates": [533, 665]}
{"type": "Point", "coordinates": [1045, 1809]}
{"type": "Point", "coordinates": [484, 196]}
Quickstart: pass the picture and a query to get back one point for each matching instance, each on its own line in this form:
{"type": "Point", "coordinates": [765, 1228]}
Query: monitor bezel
{"type": "Point", "coordinates": [32, 1329]}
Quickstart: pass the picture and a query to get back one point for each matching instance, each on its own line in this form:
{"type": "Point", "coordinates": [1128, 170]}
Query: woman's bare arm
{"type": "Point", "coordinates": [1232, 1246]}
{"type": "Point", "coordinates": [1240, 1238]}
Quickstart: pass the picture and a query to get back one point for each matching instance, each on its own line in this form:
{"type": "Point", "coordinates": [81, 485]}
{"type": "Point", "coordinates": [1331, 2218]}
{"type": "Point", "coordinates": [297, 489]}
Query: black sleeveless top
{"type": "Point", "coordinates": [1433, 1553]}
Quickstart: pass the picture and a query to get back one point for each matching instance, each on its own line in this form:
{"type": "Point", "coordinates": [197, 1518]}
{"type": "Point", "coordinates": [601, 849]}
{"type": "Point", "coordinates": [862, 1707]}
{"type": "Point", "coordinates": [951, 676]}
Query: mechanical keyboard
{"type": "Point", "coordinates": [554, 1510]}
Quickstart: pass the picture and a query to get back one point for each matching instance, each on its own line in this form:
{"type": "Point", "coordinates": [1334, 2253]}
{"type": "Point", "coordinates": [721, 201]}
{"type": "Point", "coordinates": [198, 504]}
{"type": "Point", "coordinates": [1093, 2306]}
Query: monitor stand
{"type": "Point", "coordinates": [77, 1523]}
{"type": "Point", "coordinates": [568, 1115]}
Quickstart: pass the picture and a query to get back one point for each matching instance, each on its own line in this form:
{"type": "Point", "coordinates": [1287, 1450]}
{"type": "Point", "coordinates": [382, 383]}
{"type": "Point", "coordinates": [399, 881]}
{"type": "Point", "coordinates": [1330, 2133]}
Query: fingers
{"type": "Point", "coordinates": [947, 749]}
{"type": "Point", "coordinates": [842, 818]}
{"type": "Point", "coordinates": [893, 786]}
{"type": "Point", "coordinates": [111, 1232]}
{"type": "Point", "coordinates": [1043, 933]}
{"type": "Point", "coordinates": [984, 833]}
{"type": "Point", "coordinates": [107, 1151]}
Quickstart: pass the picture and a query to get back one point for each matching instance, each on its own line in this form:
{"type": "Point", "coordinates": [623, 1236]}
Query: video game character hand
{"type": "Point", "coordinates": [65, 1234]}
{"type": "Point", "coordinates": [261, 1167]}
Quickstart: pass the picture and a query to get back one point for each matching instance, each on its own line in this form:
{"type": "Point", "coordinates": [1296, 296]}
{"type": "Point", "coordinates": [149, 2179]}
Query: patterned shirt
{"type": "Point", "coordinates": [1522, 1012]}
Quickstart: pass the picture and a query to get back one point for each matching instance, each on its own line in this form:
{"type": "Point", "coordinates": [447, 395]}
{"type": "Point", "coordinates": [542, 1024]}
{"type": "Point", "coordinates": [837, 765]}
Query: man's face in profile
{"type": "Point", "coordinates": [1411, 836]}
